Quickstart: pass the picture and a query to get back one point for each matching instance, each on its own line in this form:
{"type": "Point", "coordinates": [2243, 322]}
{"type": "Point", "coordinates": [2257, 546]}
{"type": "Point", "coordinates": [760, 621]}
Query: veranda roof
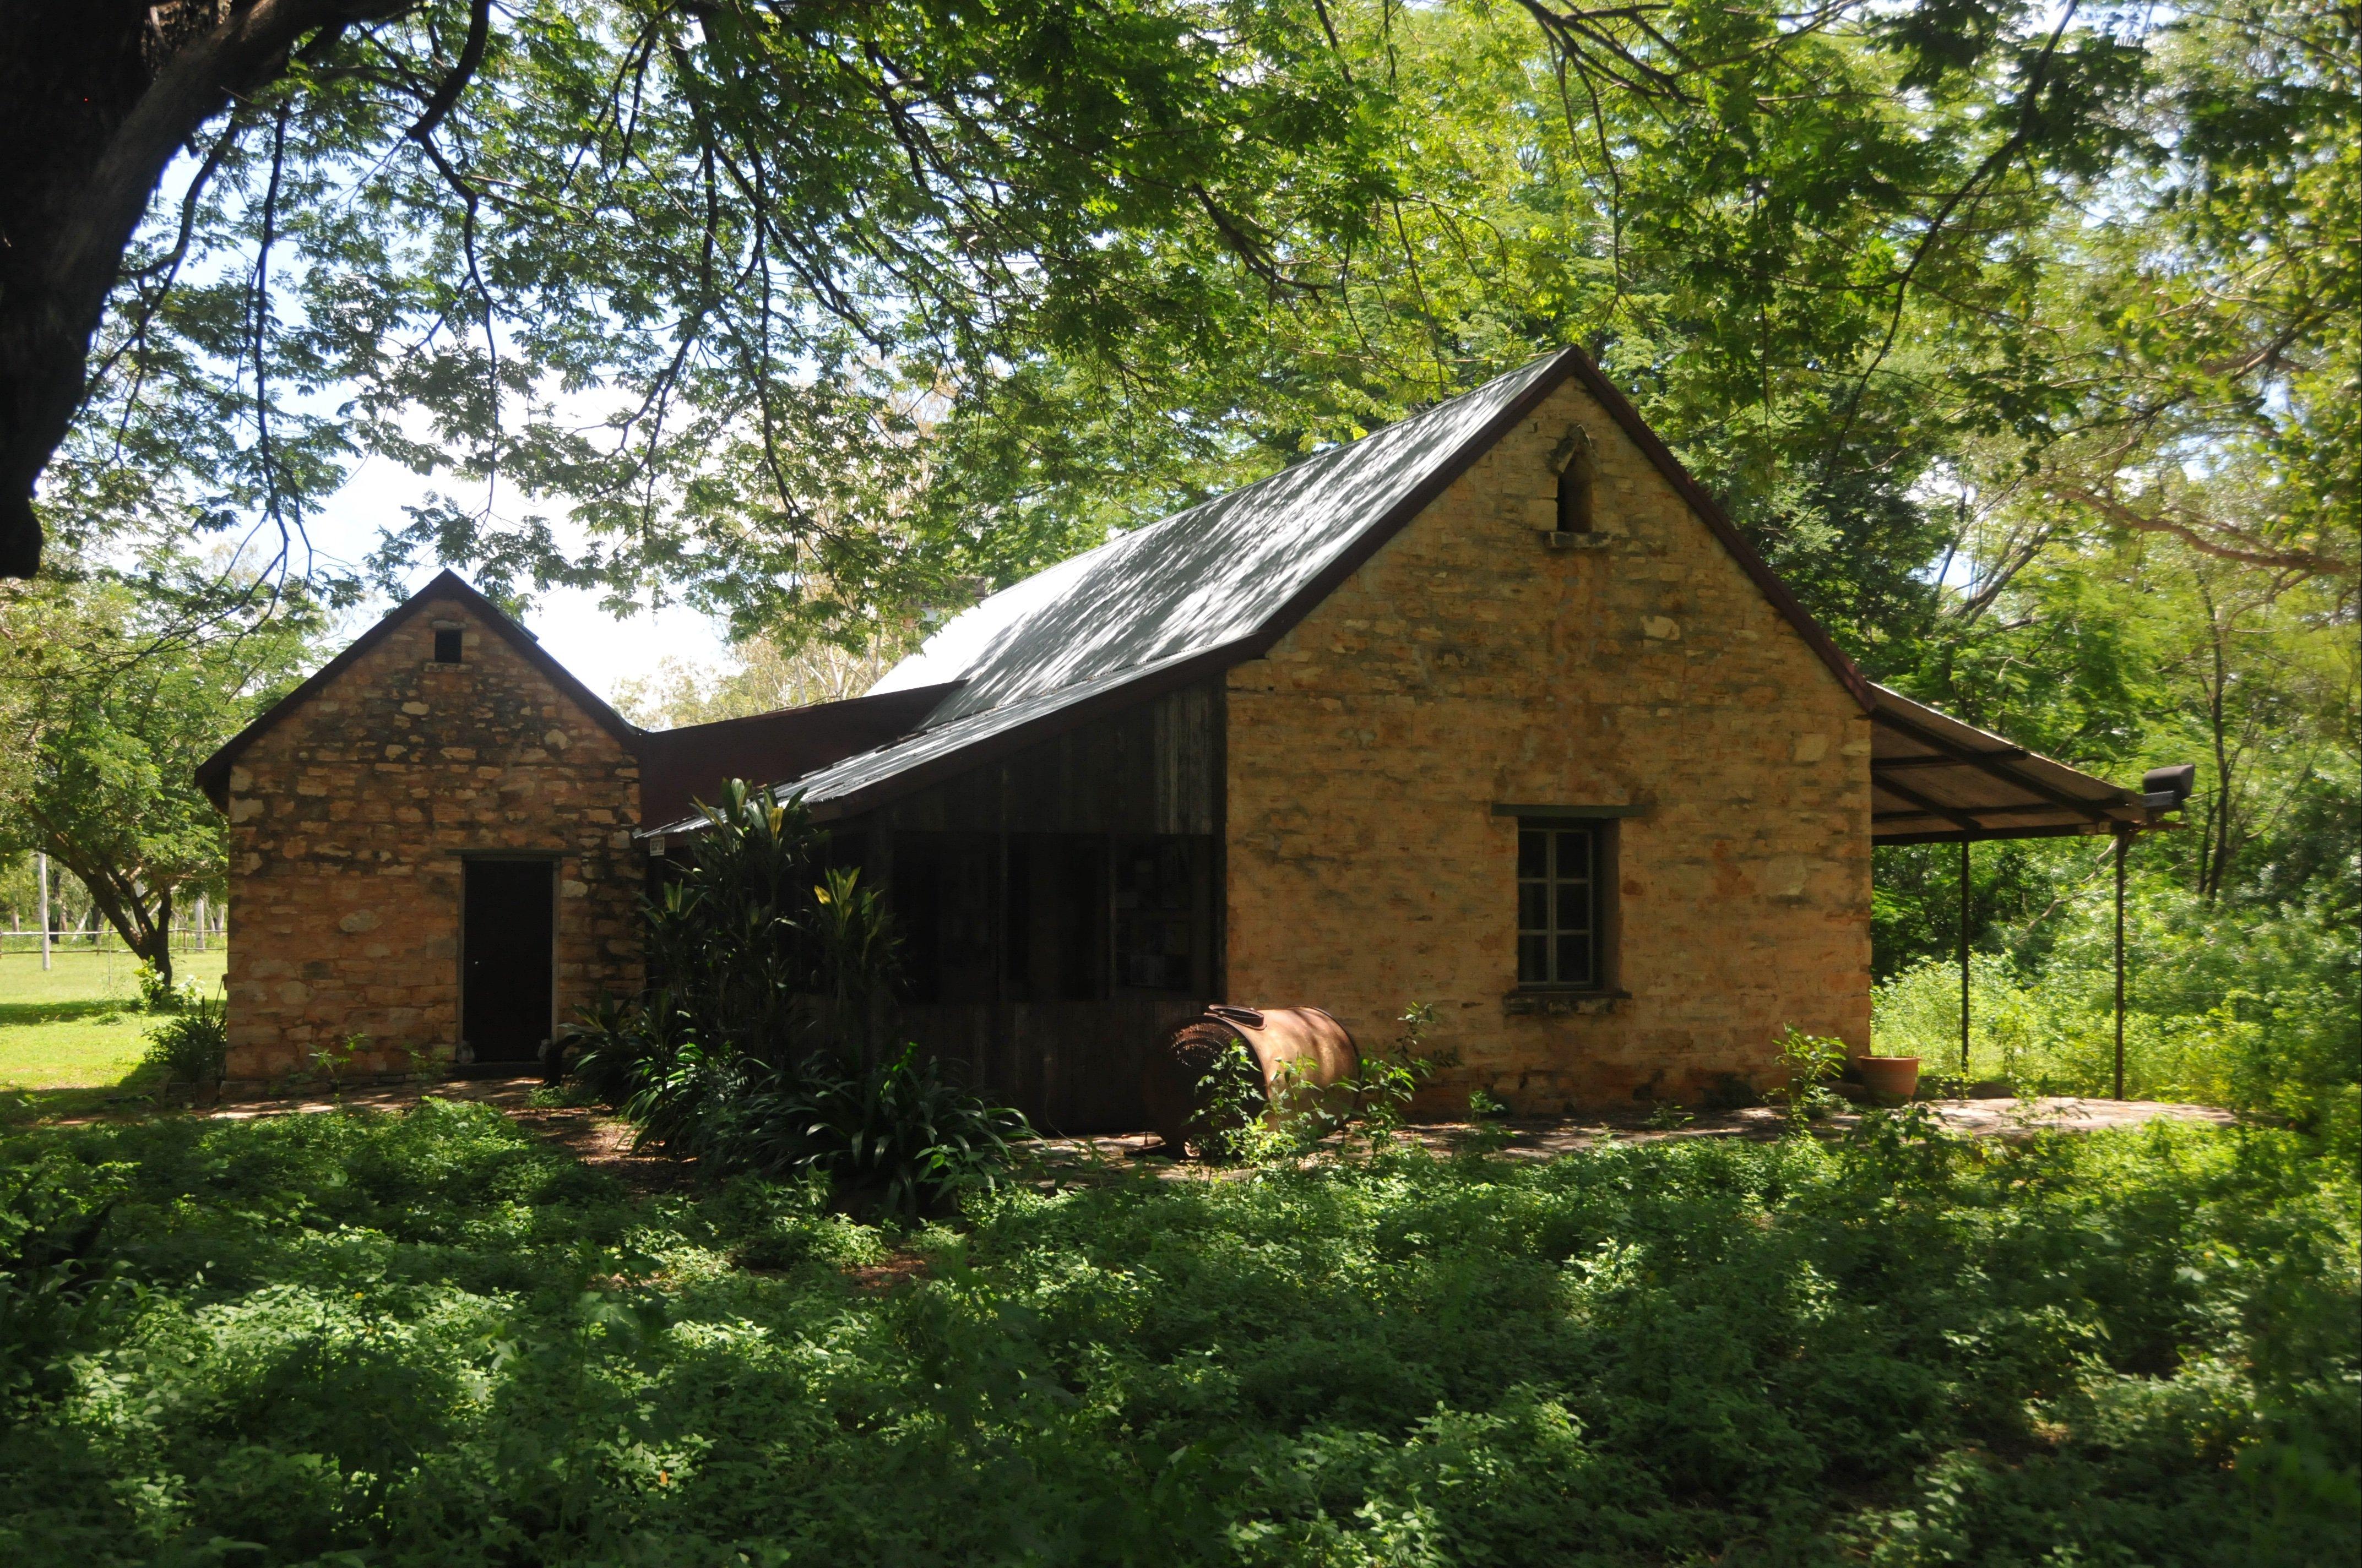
{"type": "Point", "coordinates": [1934, 778]}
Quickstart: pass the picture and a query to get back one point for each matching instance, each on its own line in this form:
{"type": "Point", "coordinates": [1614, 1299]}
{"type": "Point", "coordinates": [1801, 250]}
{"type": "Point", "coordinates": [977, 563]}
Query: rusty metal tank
{"type": "Point", "coordinates": [1300, 1057]}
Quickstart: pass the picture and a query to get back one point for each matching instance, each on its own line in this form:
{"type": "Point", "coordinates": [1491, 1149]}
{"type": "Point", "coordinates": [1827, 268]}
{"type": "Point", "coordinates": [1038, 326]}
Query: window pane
{"type": "Point", "coordinates": [1573, 907]}
{"type": "Point", "coordinates": [1533, 906]}
{"type": "Point", "coordinates": [1532, 954]}
{"type": "Point", "coordinates": [1575, 853]}
{"type": "Point", "coordinates": [1573, 960]}
{"type": "Point", "coordinates": [1533, 848]}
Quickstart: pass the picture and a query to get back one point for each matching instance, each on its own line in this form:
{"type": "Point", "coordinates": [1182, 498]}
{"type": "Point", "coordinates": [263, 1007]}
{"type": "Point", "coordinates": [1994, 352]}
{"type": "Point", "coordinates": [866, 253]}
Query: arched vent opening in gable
{"type": "Point", "coordinates": [1577, 475]}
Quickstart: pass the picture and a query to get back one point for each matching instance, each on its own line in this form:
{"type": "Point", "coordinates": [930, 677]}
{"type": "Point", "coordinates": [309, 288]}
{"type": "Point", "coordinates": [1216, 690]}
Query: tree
{"type": "Point", "coordinates": [684, 264]}
{"type": "Point", "coordinates": [116, 701]}
{"type": "Point", "coordinates": [798, 309]}
{"type": "Point", "coordinates": [766, 678]}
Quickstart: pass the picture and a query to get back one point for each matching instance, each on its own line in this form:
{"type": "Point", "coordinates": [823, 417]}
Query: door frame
{"type": "Point", "coordinates": [553, 859]}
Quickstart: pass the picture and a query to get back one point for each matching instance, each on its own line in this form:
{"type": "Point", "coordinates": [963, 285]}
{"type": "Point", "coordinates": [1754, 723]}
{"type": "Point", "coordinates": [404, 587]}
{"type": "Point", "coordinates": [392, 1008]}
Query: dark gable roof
{"type": "Point", "coordinates": [1220, 583]}
{"type": "Point", "coordinates": [213, 773]}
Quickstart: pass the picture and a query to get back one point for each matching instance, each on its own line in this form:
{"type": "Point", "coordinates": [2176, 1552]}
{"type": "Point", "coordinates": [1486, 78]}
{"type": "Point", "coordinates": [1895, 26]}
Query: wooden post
{"type": "Point", "coordinates": [1964, 955]}
{"type": "Point", "coordinates": [2123, 838]}
{"type": "Point", "coordinates": [41, 864]}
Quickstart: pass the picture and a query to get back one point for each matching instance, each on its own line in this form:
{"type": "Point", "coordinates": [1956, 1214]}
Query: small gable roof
{"type": "Point", "coordinates": [1220, 583]}
{"type": "Point", "coordinates": [680, 767]}
{"type": "Point", "coordinates": [213, 773]}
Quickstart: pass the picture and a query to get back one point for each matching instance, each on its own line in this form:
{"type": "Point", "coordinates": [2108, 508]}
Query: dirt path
{"type": "Point", "coordinates": [1542, 1138]}
{"type": "Point", "coordinates": [601, 1141]}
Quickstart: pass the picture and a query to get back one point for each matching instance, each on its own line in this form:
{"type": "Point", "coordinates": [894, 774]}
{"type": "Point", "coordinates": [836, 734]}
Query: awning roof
{"type": "Point", "coordinates": [1936, 779]}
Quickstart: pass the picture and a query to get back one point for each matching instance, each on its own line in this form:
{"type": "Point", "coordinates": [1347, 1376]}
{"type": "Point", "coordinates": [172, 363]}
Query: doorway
{"type": "Point", "coordinates": [508, 930]}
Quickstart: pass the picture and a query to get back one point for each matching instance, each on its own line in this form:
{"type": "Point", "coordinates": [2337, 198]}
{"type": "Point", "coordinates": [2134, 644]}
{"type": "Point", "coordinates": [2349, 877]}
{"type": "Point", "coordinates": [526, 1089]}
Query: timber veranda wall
{"type": "Point", "coordinates": [349, 822]}
{"type": "Point", "coordinates": [1464, 666]}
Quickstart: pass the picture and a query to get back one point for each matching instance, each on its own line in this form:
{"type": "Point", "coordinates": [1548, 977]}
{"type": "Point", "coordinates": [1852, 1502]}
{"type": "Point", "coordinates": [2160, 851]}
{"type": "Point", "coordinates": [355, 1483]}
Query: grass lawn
{"type": "Point", "coordinates": [431, 1339]}
{"type": "Point", "coordinates": [78, 1025]}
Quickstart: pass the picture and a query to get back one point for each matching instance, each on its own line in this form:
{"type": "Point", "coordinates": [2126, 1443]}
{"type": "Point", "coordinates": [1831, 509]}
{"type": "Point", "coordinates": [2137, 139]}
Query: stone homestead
{"type": "Point", "coordinates": [1492, 710]}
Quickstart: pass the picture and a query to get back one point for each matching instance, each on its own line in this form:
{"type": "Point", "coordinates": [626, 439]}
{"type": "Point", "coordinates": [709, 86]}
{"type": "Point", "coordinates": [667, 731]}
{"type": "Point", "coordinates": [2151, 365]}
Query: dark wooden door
{"type": "Point", "coordinates": [509, 929]}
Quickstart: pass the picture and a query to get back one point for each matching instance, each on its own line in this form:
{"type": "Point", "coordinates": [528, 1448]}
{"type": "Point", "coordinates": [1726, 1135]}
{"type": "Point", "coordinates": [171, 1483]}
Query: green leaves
{"type": "Point", "coordinates": [116, 687]}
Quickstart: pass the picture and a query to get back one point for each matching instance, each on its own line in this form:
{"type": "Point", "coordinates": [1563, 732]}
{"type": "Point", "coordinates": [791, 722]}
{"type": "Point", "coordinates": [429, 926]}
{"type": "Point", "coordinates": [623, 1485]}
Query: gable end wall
{"type": "Point", "coordinates": [349, 820]}
{"type": "Point", "coordinates": [1464, 666]}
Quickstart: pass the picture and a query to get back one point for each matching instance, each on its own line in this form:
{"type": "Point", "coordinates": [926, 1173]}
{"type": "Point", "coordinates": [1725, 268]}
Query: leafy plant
{"type": "Point", "coordinates": [331, 1060]}
{"type": "Point", "coordinates": [1489, 1132]}
{"type": "Point", "coordinates": [757, 1045]}
{"type": "Point", "coordinates": [1809, 1064]}
{"type": "Point", "coordinates": [898, 1128]}
{"type": "Point", "coordinates": [1391, 1080]}
{"type": "Point", "coordinates": [1235, 1120]}
{"type": "Point", "coordinates": [191, 1046]}
{"type": "Point", "coordinates": [1251, 1122]}
{"type": "Point", "coordinates": [157, 993]}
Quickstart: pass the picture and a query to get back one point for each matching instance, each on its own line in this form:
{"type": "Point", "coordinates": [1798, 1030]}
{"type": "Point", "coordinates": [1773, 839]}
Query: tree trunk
{"type": "Point", "coordinates": [142, 919]}
{"type": "Point", "coordinates": [158, 948]}
{"type": "Point", "coordinates": [96, 99]}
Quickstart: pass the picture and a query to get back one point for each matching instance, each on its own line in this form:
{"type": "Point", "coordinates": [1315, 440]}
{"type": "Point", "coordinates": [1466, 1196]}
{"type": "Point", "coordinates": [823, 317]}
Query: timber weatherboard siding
{"type": "Point", "coordinates": [1466, 665]}
{"type": "Point", "coordinates": [351, 819]}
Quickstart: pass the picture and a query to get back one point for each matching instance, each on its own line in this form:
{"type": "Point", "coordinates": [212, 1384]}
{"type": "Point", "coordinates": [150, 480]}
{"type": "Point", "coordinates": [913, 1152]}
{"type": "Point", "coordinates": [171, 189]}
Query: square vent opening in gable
{"type": "Point", "coordinates": [446, 645]}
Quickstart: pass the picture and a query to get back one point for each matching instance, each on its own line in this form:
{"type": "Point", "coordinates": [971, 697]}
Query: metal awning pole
{"type": "Point", "coordinates": [1964, 955]}
{"type": "Point", "coordinates": [2123, 838]}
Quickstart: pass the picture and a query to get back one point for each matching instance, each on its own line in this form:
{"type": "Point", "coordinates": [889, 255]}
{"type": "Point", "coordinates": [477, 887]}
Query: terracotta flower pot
{"type": "Point", "coordinates": [1895, 1079]}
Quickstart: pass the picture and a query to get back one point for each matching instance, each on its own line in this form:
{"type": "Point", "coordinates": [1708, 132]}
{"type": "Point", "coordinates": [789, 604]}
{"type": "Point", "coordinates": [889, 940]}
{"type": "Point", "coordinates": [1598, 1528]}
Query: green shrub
{"type": "Point", "coordinates": [757, 1047]}
{"type": "Point", "coordinates": [1809, 1064]}
{"type": "Point", "coordinates": [2254, 1012]}
{"type": "Point", "coordinates": [191, 1046]}
{"type": "Point", "coordinates": [1246, 1122]}
{"type": "Point", "coordinates": [156, 994]}
{"type": "Point", "coordinates": [898, 1129]}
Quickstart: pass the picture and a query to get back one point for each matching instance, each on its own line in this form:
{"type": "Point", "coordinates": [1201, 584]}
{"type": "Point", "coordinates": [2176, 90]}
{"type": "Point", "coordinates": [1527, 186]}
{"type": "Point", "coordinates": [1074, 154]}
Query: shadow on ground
{"type": "Point", "coordinates": [603, 1143]}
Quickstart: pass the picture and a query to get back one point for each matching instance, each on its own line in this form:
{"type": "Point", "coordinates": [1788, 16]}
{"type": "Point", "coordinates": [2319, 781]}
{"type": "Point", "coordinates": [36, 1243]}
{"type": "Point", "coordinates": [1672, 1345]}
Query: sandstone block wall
{"type": "Point", "coordinates": [1465, 665]}
{"type": "Point", "coordinates": [350, 820]}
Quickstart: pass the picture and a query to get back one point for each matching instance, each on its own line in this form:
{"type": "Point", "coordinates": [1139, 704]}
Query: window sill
{"type": "Point", "coordinates": [1558, 1002]}
{"type": "Point", "coordinates": [1558, 539]}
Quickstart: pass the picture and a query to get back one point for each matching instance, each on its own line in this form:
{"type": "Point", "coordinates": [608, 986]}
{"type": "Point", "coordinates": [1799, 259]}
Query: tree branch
{"type": "Point", "coordinates": [2251, 552]}
{"type": "Point", "coordinates": [472, 55]}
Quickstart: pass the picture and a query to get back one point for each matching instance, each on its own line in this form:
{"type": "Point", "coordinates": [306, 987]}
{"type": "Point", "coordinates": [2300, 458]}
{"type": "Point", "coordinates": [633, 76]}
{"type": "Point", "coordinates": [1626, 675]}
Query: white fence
{"type": "Point", "coordinates": [185, 939]}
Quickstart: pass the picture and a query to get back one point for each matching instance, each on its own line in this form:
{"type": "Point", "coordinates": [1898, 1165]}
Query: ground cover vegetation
{"type": "Point", "coordinates": [429, 1338]}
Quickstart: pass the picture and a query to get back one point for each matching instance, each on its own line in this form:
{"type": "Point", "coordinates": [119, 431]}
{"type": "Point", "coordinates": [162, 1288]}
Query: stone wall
{"type": "Point", "coordinates": [349, 821]}
{"type": "Point", "coordinates": [1465, 665]}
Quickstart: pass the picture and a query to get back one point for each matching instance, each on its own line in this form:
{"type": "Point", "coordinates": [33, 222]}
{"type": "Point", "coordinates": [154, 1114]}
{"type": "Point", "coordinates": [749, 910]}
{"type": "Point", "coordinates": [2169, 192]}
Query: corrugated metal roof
{"type": "Point", "coordinates": [680, 767]}
{"type": "Point", "coordinates": [1186, 595]}
{"type": "Point", "coordinates": [1201, 578]}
